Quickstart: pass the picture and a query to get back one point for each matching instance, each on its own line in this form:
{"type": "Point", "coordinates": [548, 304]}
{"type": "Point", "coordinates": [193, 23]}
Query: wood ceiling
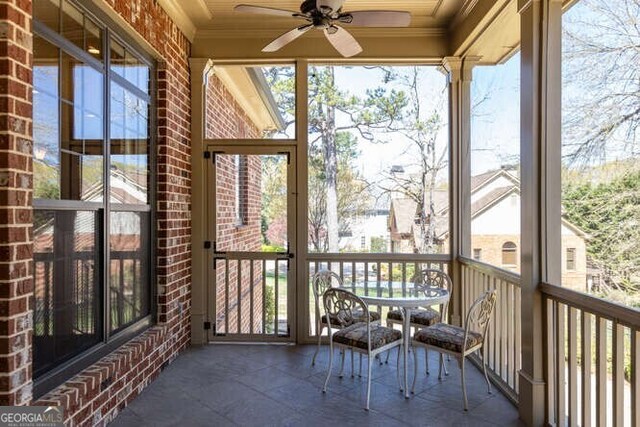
{"type": "Point", "coordinates": [438, 28]}
{"type": "Point", "coordinates": [425, 14]}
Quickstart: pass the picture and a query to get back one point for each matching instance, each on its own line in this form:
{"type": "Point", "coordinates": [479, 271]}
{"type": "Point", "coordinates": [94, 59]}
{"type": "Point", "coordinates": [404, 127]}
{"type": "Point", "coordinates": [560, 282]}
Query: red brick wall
{"type": "Point", "coordinates": [16, 253]}
{"type": "Point", "coordinates": [98, 393]}
{"type": "Point", "coordinates": [226, 119]}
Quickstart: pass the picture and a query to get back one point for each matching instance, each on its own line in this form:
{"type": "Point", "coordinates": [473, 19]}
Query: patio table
{"type": "Point", "coordinates": [408, 299]}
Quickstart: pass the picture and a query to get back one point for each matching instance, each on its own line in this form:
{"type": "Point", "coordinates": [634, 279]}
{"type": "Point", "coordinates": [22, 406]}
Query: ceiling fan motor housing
{"type": "Point", "coordinates": [318, 18]}
{"type": "Point", "coordinates": [307, 6]}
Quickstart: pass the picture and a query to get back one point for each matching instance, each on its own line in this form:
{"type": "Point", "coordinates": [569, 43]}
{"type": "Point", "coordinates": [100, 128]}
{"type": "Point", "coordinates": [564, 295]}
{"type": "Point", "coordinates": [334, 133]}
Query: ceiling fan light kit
{"type": "Point", "coordinates": [325, 15]}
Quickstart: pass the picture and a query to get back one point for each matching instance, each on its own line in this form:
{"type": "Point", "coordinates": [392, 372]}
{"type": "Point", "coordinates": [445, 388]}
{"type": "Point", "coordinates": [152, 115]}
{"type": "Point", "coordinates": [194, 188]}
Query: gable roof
{"type": "Point", "coordinates": [490, 199]}
{"type": "Point", "coordinates": [403, 210]}
{"type": "Point", "coordinates": [403, 213]}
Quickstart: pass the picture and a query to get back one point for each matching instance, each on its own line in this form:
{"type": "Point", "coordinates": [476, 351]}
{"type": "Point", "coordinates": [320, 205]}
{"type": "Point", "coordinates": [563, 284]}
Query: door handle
{"type": "Point", "coordinates": [286, 255]}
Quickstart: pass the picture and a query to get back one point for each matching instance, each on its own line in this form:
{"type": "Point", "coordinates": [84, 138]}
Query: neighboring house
{"type": "Point", "coordinates": [404, 224]}
{"type": "Point", "coordinates": [495, 227]}
{"type": "Point", "coordinates": [367, 233]}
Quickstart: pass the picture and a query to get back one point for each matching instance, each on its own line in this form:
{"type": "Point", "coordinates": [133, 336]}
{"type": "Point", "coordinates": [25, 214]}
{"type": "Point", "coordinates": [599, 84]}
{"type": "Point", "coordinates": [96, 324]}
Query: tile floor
{"type": "Point", "coordinates": [260, 385]}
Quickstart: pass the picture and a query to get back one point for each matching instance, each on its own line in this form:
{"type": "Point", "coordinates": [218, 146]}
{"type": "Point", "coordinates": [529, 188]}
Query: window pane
{"type": "Point", "coordinates": [93, 38]}
{"type": "Point", "coordinates": [509, 254]}
{"type": "Point", "coordinates": [129, 271]}
{"type": "Point", "coordinates": [251, 102]}
{"type": "Point", "coordinates": [129, 147]}
{"type": "Point", "coordinates": [67, 317]}
{"type": "Point", "coordinates": [72, 24]}
{"type": "Point", "coordinates": [46, 111]}
{"type": "Point", "coordinates": [378, 159]}
{"type": "Point", "coordinates": [47, 12]}
{"type": "Point", "coordinates": [88, 123]}
{"type": "Point", "coordinates": [129, 66]}
{"type": "Point", "coordinates": [495, 168]}
{"type": "Point", "coordinates": [601, 149]}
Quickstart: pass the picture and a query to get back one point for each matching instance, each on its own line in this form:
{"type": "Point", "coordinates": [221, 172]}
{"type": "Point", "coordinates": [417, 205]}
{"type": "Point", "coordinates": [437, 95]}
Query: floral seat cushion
{"type": "Point", "coordinates": [358, 316]}
{"type": "Point", "coordinates": [448, 337]}
{"type": "Point", "coordinates": [356, 336]}
{"type": "Point", "coordinates": [426, 317]}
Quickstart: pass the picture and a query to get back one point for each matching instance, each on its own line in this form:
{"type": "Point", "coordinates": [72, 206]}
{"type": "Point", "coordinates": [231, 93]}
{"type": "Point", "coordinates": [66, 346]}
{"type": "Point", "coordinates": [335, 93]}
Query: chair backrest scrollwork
{"type": "Point", "coordinates": [479, 314]}
{"type": "Point", "coordinates": [342, 306]}
{"type": "Point", "coordinates": [428, 278]}
{"type": "Point", "coordinates": [320, 282]}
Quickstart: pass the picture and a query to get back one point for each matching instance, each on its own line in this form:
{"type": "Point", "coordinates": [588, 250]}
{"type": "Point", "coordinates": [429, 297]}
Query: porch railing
{"type": "Point", "coordinates": [592, 359]}
{"type": "Point", "coordinates": [387, 273]}
{"type": "Point", "coordinates": [503, 347]}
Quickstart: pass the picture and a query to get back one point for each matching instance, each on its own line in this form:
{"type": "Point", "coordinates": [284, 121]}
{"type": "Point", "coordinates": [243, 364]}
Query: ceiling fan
{"type": "Point", "coordinates": [325, 15]}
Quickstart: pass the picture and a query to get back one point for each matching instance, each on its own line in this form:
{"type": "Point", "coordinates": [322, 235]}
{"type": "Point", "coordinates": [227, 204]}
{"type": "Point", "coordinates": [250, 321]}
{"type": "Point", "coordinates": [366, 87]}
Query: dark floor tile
{"type": "Point", "coordinates": [163, 408]}
{"type": "Point", "coordinates": [300, 395]}
{"type": "Point", "coordinates": [267, 378]}
{"type": "Point", "coordinates": [340, 412]}
{"type": "Point", "coordinates": [221, 394]}
{"type": "Point", "coordinates": [258, 411]}
{"type": "Point", "coordinates": [416, 411]}
{"type": "Point", "coordinates": [498, 409]}
{"type": "Point", "coordinates": [127, 418]}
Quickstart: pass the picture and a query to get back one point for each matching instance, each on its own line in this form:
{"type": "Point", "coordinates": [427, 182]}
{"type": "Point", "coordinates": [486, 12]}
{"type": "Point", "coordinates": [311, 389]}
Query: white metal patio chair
{"type": "Point", "coordinates": [457, 341]}
{"type": "Point", "coordinates": [321, 281]}
{"type": "Point", "coordinates": [364, 337]}
{"type": "Point", "coordinates": [422, 280]}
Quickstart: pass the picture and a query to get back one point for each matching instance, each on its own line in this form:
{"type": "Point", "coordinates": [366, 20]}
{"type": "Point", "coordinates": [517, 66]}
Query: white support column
{"type": "Point", "coordinates": [453, 69]}
{"type": "Point", "coordinates": [465, 155]}
{"type": "Point", "coordinates": [459, 72]}
{"type": "Point", "coordinates": [302, 136]}
{"type": "Point", "coordinates": [540, 152]}
{"type": "Point", "coordinates": [200, 71]}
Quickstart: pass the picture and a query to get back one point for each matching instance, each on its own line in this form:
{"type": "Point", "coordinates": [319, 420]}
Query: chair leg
{"type": "Point", "coordinates": [484, 368]}
{"type": "Point", "coordinates": [326, 381]}
{"type": "Point", "coordinates": [389, 325]}
{"type": "Point", "coordinates": [319, 329]}
{"type": "Point", "coordinates": [344, 351]}
{"type": "Point", "coordinates": [368, 381]}
{"type": "Point", "coordinates": [440, 367]}
{"type": "Point", "coordinates": [352, 373]}
{"type": "Point", "coordinates": [400, 382]}
{"type": "Point", "coordinates": [426, 359]}
{"type": "Point", "coordinates": [464, 385]}
{"type": "Point", "coordinates": [415, 369]}
{"type": "Point", "coordinates": [360, 367]}
{"type": "Point", "coordinates": [444, 365]}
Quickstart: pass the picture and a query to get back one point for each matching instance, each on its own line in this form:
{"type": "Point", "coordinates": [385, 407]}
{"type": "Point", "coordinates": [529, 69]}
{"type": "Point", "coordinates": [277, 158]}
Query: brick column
{"type": "Point", "coordinates": [16, 252]}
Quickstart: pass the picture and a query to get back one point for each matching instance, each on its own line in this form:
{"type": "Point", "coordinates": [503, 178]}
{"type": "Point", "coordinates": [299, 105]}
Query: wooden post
{"type": "Point", "coordinates": [200, 71]}
{"type": "Point", "coordinates": [459, 73]}
{"type": "Point", "coordinates": [540, 155]}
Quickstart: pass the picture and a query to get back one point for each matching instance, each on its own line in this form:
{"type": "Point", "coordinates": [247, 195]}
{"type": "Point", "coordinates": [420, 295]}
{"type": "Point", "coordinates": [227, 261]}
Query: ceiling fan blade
{"type": "Point", "coordinates": [247, 8]}
{"type": "Point", "coordinates": [286, 38]}
{"type": "Point", "coordinates": [342, 41]}
{"type": "Point", "coordinates": [334, 5]}
{"type": "Point", "coordinates": [377, 18]}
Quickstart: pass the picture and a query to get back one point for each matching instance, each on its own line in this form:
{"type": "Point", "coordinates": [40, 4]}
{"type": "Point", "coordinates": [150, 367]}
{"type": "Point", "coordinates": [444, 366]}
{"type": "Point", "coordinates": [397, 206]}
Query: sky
{"type": "Point", "coordinates": [495, 116]}
{"type": "Point", "coordinates": [495, 123]}
{"type": "Point", "coordinates": [393, 148]}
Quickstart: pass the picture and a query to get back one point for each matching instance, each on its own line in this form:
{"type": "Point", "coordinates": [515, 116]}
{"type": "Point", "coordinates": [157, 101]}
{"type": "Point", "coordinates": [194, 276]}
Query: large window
{"type": "Point", "coordinates": [378, 159]}
{"type": "Point", "coordinates": [601, 148]}
{"type": "Point", "coordinates": [495, 167]}
{"type": "Point", "coordinates": [92, 220]}
{"type": "Point", "coordinates": [509, 254]}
